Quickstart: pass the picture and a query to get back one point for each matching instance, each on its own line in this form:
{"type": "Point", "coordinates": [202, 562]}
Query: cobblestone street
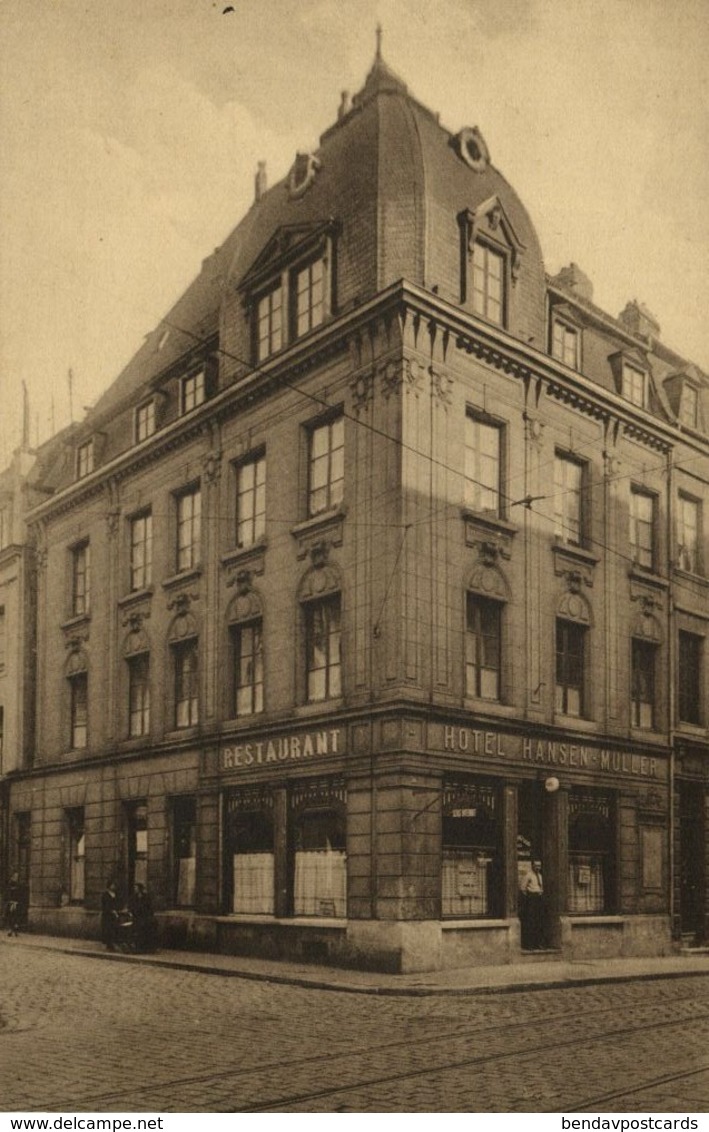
{"type": "Point", "coordinates": [82, 1034]}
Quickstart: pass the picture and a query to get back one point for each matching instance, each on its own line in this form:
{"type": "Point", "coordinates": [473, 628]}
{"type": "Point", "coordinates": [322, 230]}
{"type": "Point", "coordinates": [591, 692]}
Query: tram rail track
{"type": "Point", "coordinates": [455, 1034]}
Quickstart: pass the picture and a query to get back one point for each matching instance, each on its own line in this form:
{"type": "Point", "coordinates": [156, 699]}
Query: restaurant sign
{"type": "Point", "coordinates": [304, 745]}
{"type": "Point", "coordinates": [544, 753]}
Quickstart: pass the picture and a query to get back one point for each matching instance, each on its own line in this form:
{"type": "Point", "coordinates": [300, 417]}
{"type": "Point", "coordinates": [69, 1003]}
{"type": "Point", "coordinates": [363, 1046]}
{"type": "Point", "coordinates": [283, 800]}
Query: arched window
{"type": "Point", "coordinates": [321, 604]}
{"type": "Point", "coordinates": [246, 672]}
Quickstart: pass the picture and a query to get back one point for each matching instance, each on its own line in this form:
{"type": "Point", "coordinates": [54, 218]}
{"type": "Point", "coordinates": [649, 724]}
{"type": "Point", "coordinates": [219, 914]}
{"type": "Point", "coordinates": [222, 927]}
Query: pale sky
{"type": "Point", "coordinates": [132, 128]}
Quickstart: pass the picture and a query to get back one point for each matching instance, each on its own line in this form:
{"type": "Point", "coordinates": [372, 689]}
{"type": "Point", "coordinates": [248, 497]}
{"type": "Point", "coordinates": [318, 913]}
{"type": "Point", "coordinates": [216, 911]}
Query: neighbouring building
{"type": "Point", "coordinates": [379, 573]}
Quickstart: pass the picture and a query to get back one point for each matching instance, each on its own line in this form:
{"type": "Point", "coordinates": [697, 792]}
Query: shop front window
{"type": "Point", "coordinates": [76, 853]}
{"type": "Point", "coordinates": [471, 856]}
{"type": "Point", "coordinates": [184, 850]}
{"type": "Point", "coordinates": [137, 844]}
{"type": "Point", "coordinates": [591, 882]}
{"type": "Point", "coordinates": [319, 856]}
{"type": "Point", "coordinates": [250, 852]}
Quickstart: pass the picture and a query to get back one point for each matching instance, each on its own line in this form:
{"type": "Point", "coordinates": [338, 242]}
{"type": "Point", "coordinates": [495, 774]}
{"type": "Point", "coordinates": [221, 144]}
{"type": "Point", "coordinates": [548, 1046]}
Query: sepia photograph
{"type": "Point", "coordinates": [354, 561]}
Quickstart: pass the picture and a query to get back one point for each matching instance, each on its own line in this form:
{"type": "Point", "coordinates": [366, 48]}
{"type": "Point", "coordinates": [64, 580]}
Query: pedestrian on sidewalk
{"type": "Point", "coordinates": [109, 914]}
{"type": "Point", "coordinates": [144, 927]}
{"type": "Point", "coordinates": [532, 909]}
{"type": "Point", "coordinates": [13, 905]}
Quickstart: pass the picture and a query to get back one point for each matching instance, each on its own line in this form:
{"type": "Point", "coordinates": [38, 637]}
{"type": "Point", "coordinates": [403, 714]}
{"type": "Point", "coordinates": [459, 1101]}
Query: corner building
{"type": "Point", "coordinates": [378, 574]}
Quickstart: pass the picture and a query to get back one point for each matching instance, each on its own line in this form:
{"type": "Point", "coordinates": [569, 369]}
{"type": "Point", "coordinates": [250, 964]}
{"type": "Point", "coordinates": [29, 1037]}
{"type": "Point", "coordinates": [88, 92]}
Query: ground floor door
{"type": "Point", "coordinates": [692, 864]}
{"type": "Point", "coordinates": [534, 865]}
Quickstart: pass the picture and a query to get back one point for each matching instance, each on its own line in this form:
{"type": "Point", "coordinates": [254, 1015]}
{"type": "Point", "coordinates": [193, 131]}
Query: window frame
{"type": "Point", "coordinates": [239, 633]}
{"type": "Point", "coordinates": [80, 579]}
{"type": "Point", "coordinates": [186, 675]}
{"type": "Point", "coordinates": [138, 705]}
{"type": "Point", "coordinates": [188, 554]}
{"type": "Point", "coordinates": [329, 609]}
{"type": "Point", "coordinates": [255, 495]}
{"type": "Point", "coordinates": [334, 485]}
{"type": "Point", "coordinates": [693, 422]}
{"type": "Point", "coordinates": [629, 375]}
{"type": "Point", "coordinates": [638, 551]}
{"type": "Point", "coordinates": [298, 269]}
{"type": "Point", "coordinates": [476, 608]}
{"type": "Point", "coordinates": [559, 351]}
{"type": "Point", "coordinates": [141, 431]}
{"type": "Point", "coordinates": [567, 662]}
{"type": "Point", "coordinates": [78, 710]}
{"type": "Point", "coordinates": [643, 679]}
{"type": "Point", "coordinates": [476, 484]}
{"type": "Point", "coordinates": [265, 295]}
{"type": "Point", "coordinates": [486, 251]}
{"type": "Point", "coordinates": [689, 557]}
{"type": "Point", "coordinates": [689, 678]}
{"type": "Point", "coordinates": [85, 459]}
{"type": "Point", "coordinates": [193, 391]}
{"type": "Point", "coordinates": [140, 572]}
{"type": "Point", "coordinates": [567, 460]}
{"type": "Point", "coordinates": [75, 820]}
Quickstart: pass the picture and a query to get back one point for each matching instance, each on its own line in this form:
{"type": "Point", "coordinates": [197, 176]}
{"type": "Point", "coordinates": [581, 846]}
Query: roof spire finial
{"type": "Point", "coordinates": [379, 41]}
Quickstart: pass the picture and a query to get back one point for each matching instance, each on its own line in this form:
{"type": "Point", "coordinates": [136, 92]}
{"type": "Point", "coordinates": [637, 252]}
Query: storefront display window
{"type": "Point", "coordinates": [319, 849]}
{"type": "Point", "coordinates": [184, 854]}
{"type": "Point", "coordinates": [591, 883]}
{"type": "Point", "coordinates": [471, 858]}
{"type": "Point", "coordinates": [250, 843]}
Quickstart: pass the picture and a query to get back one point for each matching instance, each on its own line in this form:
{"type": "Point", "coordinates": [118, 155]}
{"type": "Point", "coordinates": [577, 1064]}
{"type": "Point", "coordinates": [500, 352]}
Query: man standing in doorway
{"type": "Point", "coordinates": [531, 912]}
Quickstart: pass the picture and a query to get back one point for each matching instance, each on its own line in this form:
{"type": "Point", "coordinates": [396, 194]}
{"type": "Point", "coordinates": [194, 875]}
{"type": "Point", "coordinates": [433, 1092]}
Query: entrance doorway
{"type": "Point", "coordinates": [533, 899]}
{"type": "Point", "coordinates": [691, 860]}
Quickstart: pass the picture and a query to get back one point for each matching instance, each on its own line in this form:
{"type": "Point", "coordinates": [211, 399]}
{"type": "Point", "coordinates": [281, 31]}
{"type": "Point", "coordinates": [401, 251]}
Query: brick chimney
{"type": "Point", "coordinates": [260, 181]}
{"type": "Point", "coordinates": [573, 279]}
{"type": "Point", "coordinates": [636, 318]}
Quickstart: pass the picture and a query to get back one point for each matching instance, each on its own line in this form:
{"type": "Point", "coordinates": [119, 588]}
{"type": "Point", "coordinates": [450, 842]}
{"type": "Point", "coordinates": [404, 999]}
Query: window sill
{"type": "Point", "coordinates": [184, 576]}
{"type": "Point", "coordinates": [322, 519]}
{"type": "Point", "coordinates": [318, 707]}
{"type": "Point", "coordinates": [177, 733]}
{"type": "Point", "coordinates": [594, 919]}
{"type": "Point", "coordinates": [489, 521]}
{"type": "Point", "coordinates": [649, 735]}
{"type": "Point", "coordinates": [579, 553]}
{"type": "Point", "coordinates": [76, 620]}
{"type": "Point", "coordinates": [575, 723]}
{"type": "Point", "coordinates": [691, 576]}
{"type": "Point", "coordinates": [319, 922]}
{"type": "Point", "coordinates": [135, 595]}
{"type": "Point", "coordinates": [490, 707]}
{"type": "Point", "coordinates": [648, 575]}
{"type": "Point", "coordinates": [244, 553]}
{"type": "Point", "coordinates": [478, 924]}
{"type": "Point", "coordinates": [691, 729]}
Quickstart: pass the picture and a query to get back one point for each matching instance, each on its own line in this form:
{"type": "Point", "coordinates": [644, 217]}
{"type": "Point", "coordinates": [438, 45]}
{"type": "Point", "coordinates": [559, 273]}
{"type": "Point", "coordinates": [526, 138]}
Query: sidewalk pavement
{"type": "Point", "coordinates": [531, 974]}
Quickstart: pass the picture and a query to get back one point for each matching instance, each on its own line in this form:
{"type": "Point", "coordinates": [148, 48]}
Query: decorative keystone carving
{"type": "Point", "coordinates": [112, 518]}
{"type": "Point", "coordinates": [319, 553]}
{"type": "Point", "coordinates": [441, 386]}
{"type": "Point", "coordinates": [76, 642]}
{"type": "Point", "coordinates": [212, 466]}
{"type": "Point", "coordinates": [362, 389]}
{"type": "Point", "coordinates": [242, 580]}
{"type": "Point", "coordinates": [181, 602]}
{"type": "Point", "coordinates": [391, 377]}
{"type": "Point", "coordinates": [134, 620]}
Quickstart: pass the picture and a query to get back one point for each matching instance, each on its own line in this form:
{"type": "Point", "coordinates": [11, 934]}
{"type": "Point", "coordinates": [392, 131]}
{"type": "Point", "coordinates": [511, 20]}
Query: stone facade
{"type": "Point", "coordinates": [370, 581]}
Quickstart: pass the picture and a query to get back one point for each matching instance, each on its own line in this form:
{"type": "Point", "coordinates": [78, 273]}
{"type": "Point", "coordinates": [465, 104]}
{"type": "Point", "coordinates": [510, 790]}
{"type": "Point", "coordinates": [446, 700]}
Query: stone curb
{"type": "Point", "coordinates": [380, 990]}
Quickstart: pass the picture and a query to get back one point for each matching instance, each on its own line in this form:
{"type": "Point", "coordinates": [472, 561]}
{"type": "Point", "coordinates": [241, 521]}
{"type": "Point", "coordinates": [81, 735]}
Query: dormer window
{"type": "Point", "coordinates": [489, 283]}
{"type": "Point", "coordinates": [145, 420]}
{"type": "Point", "coordinates": [193, 391]}
{"type": "Point", "coordinates": [689, 405]}
{"type": "Point", "coordinates": [491, 254]}
{"type": "Point", "coordinates": [269, 323]}
{"type": "Point", "coordinates": [565, 340]}
{"type": "Point", "coordinates": [309, 292]}
{"type": "Point", "coordinates": [634, 385]}
{"type": "Point", "coordinates": [289, 290]}
{"type": "Point", "coordinates": [85, 459]}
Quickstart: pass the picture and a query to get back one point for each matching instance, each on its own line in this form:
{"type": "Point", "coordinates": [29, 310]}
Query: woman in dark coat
{"type": "Point", "coordinates": [141, 907]}
{"type": "Point", "coordinates": [109, 915]}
